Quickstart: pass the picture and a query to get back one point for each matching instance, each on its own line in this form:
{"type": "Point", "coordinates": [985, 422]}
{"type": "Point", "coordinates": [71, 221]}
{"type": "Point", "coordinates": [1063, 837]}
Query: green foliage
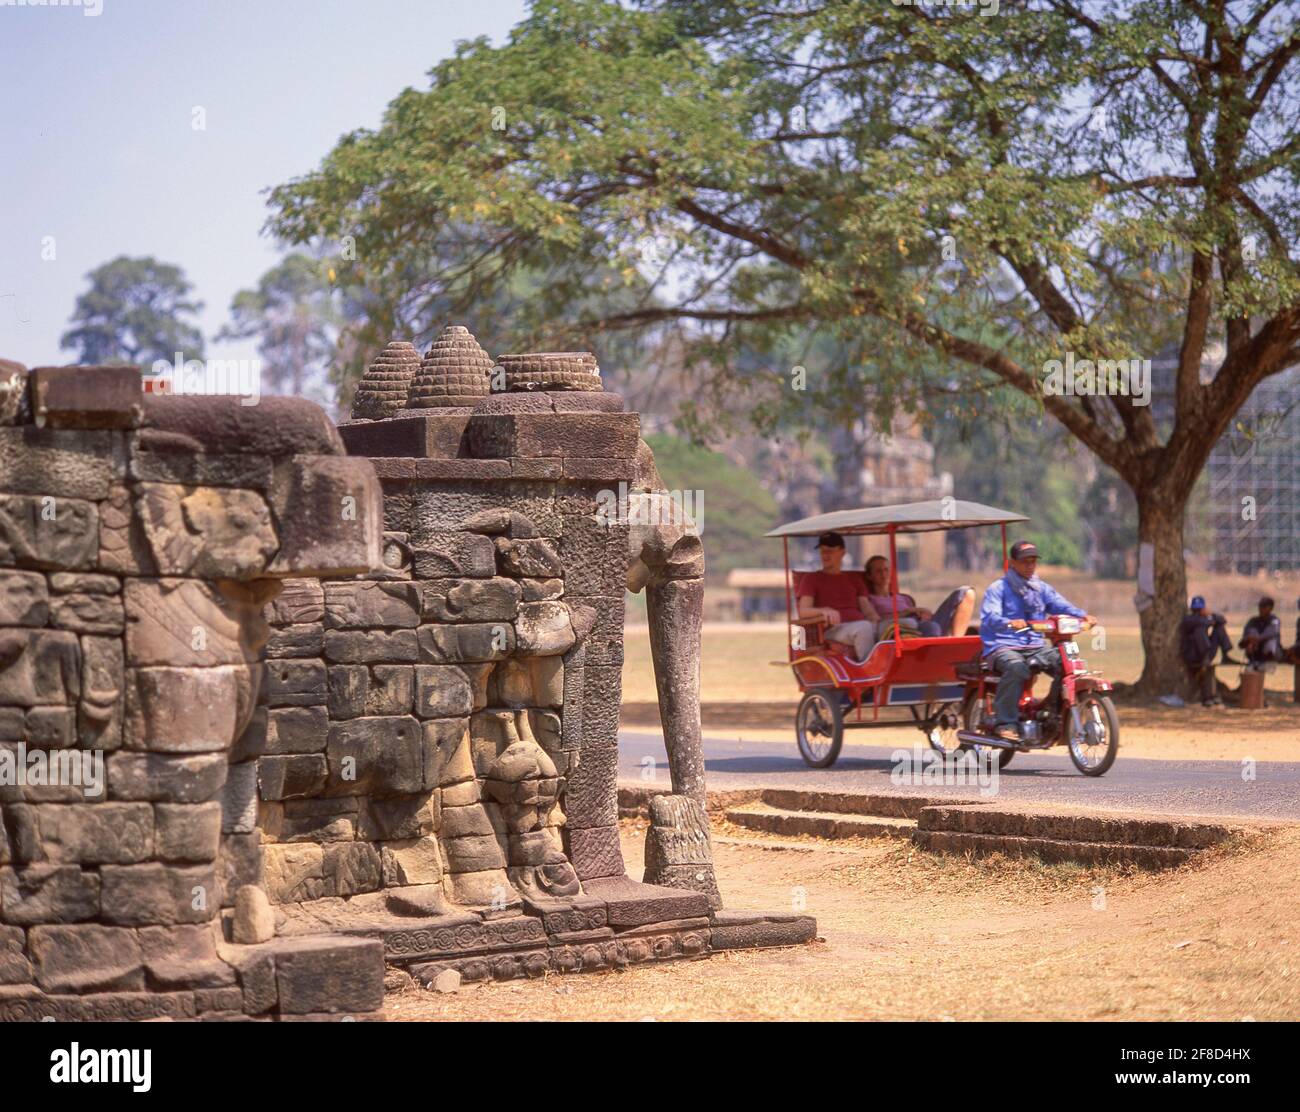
{"type": "Point", "coordinates": [963, 197]}
{"type": "Point", "coordinates": [134, 312]}
{"type": "Point", "coordinates": [737, 510]}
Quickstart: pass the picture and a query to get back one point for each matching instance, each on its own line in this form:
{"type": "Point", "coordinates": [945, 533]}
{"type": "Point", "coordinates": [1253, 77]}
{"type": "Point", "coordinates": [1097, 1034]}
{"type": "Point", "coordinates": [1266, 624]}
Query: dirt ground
{"type": "Point", "coordinates": [907, 935]}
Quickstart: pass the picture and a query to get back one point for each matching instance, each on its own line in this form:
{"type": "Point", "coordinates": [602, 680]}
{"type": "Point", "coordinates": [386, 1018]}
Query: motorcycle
{"type": "Point", "coordinates": [1083, 719]}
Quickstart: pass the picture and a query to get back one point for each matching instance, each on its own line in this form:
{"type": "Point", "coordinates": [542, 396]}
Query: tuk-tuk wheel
{"type": "Point", "coordinates": [819, 728]}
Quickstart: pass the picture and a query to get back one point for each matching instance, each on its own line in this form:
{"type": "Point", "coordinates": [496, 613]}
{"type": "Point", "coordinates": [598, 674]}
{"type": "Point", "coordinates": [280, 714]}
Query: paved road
{"type": "Point", "coordinates": [1192, 787]}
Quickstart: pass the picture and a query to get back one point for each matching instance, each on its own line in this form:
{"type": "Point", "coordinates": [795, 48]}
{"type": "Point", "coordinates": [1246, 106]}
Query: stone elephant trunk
{"type": "Point", "coordinates": [666, 558]}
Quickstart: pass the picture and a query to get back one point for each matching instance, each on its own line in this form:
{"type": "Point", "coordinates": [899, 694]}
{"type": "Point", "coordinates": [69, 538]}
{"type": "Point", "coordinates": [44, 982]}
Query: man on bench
{"type": "Point", "coordinates": [838, 598]}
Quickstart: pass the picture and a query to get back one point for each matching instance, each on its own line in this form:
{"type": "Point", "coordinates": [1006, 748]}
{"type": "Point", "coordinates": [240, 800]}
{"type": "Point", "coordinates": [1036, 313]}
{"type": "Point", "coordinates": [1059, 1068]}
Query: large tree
{"type": "Point", "coordinates": [977, 193]}
{"type": "Point", "coordinates": [296, 315]}
{"type": "Point", "coordinates": [135, 311]}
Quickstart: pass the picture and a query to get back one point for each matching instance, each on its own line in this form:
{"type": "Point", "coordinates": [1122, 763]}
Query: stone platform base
{"type": "Point", "coordinates": [618, 923]}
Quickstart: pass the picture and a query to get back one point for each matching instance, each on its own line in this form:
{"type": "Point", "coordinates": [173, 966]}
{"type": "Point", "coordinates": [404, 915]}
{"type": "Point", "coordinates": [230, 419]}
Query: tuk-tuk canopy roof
{"type": "Point", "coordinates": [912, 517]}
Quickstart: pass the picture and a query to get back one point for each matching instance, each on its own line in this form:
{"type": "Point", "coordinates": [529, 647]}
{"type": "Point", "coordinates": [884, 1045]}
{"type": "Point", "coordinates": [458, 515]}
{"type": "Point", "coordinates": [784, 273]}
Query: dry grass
{"type": "Point", "coordinates": [906, 935]}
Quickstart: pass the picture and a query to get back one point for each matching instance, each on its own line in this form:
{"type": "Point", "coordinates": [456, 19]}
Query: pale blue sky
{"type": "Point", "coordinates": [98, 151]}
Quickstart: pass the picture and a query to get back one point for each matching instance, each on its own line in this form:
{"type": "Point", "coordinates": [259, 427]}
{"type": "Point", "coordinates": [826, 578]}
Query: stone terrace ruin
{"type": "Point", "coordinates": [352, 708]}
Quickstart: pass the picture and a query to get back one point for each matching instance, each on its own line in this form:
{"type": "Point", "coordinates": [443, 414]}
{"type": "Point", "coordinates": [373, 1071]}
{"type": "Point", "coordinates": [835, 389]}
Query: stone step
{"type": "Point", "coordinates": [820, 824]}
{"type": "Point", "coordinates": [1053, 850]}
{"type": "Point", "coordinates": [1065, 825]}
{"type": "Point", "coordinates": [899, 805]}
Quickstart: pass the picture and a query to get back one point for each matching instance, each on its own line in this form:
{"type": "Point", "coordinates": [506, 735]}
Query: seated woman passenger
{"type": "Point", "coordinates": [950, 620]}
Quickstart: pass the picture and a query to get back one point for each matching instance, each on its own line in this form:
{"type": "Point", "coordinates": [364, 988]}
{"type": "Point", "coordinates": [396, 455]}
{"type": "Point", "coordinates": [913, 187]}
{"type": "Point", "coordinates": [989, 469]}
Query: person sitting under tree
{"type": "Point", "coordinates": [1201, 635]}
{"type": "Point", "coordinates": [1262, 637]}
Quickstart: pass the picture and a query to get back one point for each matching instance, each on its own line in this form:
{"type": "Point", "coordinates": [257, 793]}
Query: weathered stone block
{"type": "Point", "coordinates": [352, 867]}
{"type": "Point", "coordinates": [158, 894]}
{"type": "Point", "coordinates": [51, 727]}
{"type": "Point", "coordinates": [392, 689]}
{"type": "Point", "coordinates": [187, 710]}
{"type": "Point", "coordinates": [123, 547]}
{"type": "Point", "coordinates": [24, 599]}
{"type": "Point", "coordinates": [400, 818]}
{"type": "Point", "coordinates": [87, 833]}
{"type": "Point", "coordinates": [237, 810]}
{"type": "Point", "coordinates": [164, 778]}
{"type": "Point", "coordinates": [349, 685]}
{"type": "Point", "coordinates": [330, 512]}
{"type": "Point", "coordinates": [300, 602]}
{"type": "Point", "coordinates": [471, 600]}
{"type": "Point", "coordinates": [85, 613]}
{"type": "Point", "coordinates": [452, 644]}
{"type": "Point", "coordinates": [371, 604]}
{"type": "Point", "coordinates": [376, 756]}
{"type": "Point", "coordinates": [454, 555]}
{"type": "Point", "coordinates": [15, 969]}
{"type": "Point", "coordinates": [238, 863]}
{"type": "Point", "coordinates": [287, 777]}
{"type": "Point", "coordinates": [86, 958]}
{"type": "Point", "coordinates": [595, 852]}
{"type": "Point", "coordinates": [295, 683]}
{"type": "Point", "coordinates": [48, 894]}
{"type": "Point", "coordinates": [207, 532]}
{"type": "Point", "coordinates": [189, 832]}
{"type": "Point", "coordinates": [70, 464]}
{"type": "Point", "coordinates": [87, 397]}
{"type": "Point", "coordinates": [442, 691]}
{"type": "Point", "coordinates": [296, 641]}
{"type": "Point", "coordinates": [413, 861]}
{"type": "Point", "coordinates": [103, 684]}
{"type": "Point", "coordinates": [529, 558]}
{"type": "Point", "coordinates": [329, 975]}
{"type": "Point", "coordinates": [370, 646]}
{"type": "Point", "coordinates": [44, 668]}
{"type": "Point", "coordinates": [182, 957]}
{"type": "Point", "coordinates": [544, 629]}
{"type": "Point", "coordinates": [297, 729]}
{"type": "Point", "coordinates": [294, 872]}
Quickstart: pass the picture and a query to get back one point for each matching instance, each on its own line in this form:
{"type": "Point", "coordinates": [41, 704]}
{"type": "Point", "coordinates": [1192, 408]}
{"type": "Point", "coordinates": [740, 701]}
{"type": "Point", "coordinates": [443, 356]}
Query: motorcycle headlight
{"type": "Point", "coordinates": [1068, 625]}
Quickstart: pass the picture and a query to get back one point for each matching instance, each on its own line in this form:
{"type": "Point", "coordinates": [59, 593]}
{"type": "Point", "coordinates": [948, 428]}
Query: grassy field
{"type": "Point", "coordinates": [735, 665]}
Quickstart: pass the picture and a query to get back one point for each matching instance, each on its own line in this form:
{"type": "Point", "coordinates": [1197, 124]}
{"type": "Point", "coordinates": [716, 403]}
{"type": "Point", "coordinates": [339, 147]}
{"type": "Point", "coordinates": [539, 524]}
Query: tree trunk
{"type": "Point", "coordinates": [1160, 526]}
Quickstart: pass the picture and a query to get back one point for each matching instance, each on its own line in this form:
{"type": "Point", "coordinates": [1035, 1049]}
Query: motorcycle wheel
{"type": "Point", "coordinates": [972, 719]}
{"type": "Point", "coordinates": [1094, 735]}
{"type": "Point", "coordinates": [819, 728]}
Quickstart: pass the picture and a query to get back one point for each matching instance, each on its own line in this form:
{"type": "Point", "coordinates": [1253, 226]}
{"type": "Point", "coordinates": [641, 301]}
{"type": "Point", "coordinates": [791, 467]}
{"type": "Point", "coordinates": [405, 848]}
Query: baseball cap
{"type": "Point", "coordinates": [830, 540]}
{"type": "Point", "coordinates": [1021, 549]}
{"type": "Point", "coordinates": [1197, 603]}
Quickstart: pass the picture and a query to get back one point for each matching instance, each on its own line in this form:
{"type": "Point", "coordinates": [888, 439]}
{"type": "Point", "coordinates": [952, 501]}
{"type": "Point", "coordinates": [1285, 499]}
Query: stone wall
{"type": "Point", "coordinates": [348, 710]}
{"type": "Point", "coordinates": [140, 539]}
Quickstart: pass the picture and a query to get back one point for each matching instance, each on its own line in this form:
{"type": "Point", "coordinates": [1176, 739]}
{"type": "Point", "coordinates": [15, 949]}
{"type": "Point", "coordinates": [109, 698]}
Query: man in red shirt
{"type": "Point", "coordinates": [838, 598]}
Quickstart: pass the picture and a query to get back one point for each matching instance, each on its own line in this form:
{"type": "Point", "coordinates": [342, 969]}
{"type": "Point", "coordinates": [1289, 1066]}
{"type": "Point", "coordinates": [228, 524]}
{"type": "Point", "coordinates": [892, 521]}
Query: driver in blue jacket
{"type": "Point", "coordinates": [1012, 648]}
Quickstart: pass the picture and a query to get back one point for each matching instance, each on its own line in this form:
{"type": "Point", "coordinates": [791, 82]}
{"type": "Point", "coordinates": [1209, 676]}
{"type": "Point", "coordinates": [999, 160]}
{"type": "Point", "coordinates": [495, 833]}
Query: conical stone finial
{"type": "Point", "coordinates": [455, 372]}
{"type": "Point", "coordinates": [383, 388]}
